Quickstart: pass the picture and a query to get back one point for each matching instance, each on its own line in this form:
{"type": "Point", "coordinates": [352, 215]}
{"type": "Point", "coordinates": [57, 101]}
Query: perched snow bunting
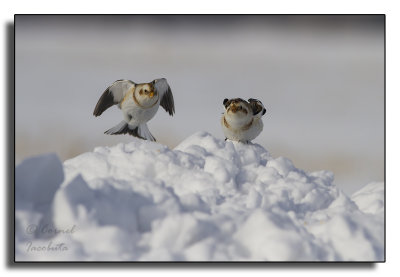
{"type": "Point", "coordinates": [138, 102]}
{"type": "Point", "coordinates": [242, 120]}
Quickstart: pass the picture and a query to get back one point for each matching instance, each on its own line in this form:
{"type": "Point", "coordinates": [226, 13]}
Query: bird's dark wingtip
{"type": "Point", "coordinates": [96, 113]}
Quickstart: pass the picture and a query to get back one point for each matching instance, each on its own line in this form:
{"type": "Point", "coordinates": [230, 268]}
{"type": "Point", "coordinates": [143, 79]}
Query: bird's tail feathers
{"type": "Point", "coordinates": [123, 128]}
{"type": "Point", "coordinates": [144, 132]}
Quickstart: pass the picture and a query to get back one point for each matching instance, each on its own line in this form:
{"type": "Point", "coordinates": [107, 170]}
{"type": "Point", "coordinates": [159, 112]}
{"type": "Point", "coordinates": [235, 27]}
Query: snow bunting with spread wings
{"type": "Point", "coordinates": [242, 120]}
{"type": "Point", "coordinates": [138, 103]}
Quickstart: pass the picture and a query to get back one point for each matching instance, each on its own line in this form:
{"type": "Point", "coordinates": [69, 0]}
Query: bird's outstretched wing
{"type": "Point", "coordinates": [114, 94]}
{"type": "Point", "coordinates": [257, 107]}
{"type": "Point", "coordinates": [167, 100]}
{"type": "Point", "coordinates": [227, 102]}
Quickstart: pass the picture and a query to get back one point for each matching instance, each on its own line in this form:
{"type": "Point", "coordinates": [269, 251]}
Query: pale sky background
{"type": "Point", "coordinates": [321, 79]}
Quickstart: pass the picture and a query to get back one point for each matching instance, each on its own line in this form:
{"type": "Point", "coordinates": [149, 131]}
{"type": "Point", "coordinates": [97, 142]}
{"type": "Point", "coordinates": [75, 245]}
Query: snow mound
{"type": "Point", "coordinates": [206, 200]}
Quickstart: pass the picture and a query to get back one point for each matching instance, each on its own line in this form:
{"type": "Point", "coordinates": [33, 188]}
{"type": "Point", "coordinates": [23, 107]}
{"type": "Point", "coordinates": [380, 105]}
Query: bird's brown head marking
{"type": "Point", "coordinates": [235, 104]}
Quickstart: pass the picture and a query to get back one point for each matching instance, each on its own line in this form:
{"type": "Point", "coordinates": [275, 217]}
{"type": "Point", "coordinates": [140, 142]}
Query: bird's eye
{"type": "Point", "coordinates": [145, 90]}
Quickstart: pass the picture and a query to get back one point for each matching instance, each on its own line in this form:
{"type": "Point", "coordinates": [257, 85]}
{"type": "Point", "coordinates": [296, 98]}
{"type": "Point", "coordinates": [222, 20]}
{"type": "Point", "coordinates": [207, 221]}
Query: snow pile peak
{"type": "Point", "coordinates": [206, 200]}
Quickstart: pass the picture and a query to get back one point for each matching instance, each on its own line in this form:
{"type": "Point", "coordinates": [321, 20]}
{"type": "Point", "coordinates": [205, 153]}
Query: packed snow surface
{"type": "Point", "coordinates": [205, 200]}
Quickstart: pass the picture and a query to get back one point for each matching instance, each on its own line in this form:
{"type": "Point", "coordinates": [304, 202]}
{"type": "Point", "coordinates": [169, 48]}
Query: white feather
{"type": "Point", "coordinates": [120, 88]}
{"type": "Point", "coordinates": [116, 128]}
{"type": "Point", "coordinates": [161, 86]}
{"type": "Point", "coordinates": [144, 132]}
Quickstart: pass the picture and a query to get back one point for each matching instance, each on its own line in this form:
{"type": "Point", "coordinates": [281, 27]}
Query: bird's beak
{"type": "Point", "coordinates": [151, 94]}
